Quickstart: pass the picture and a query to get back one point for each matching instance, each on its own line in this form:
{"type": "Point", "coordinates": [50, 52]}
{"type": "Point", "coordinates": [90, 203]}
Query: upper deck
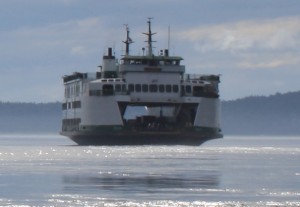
{"type": "Point", "coordinates": [144, 75]}
{"type": "Point", "coordinates": [162, 63]}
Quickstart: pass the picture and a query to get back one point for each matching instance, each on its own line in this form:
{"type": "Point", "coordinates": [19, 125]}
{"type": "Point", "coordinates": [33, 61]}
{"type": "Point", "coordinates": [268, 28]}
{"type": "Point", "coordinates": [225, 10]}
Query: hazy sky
{"type": "Point", "coordinates": [253, 44]}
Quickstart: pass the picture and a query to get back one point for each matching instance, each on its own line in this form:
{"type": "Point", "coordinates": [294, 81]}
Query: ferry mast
{"type": "Point", "coordinates": [149, 41]}
{"type": "Point", "coordinates": [128, 40]}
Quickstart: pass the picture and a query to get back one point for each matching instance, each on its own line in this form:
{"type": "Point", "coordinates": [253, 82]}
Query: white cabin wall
{"type": "Point", "coordinates": [208, 113]}
{"type": "Point", "coordinates": [100, 111]}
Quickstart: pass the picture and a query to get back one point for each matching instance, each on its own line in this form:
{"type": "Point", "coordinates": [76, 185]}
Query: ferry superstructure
{"type": "Point", "coordinates": [140, 100]}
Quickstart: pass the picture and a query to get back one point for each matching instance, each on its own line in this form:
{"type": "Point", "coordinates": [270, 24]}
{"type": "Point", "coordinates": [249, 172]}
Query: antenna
{"type": "Point", "coordinates": [149, 34]}
{"type": "Point", "coordinates": [169, 38]}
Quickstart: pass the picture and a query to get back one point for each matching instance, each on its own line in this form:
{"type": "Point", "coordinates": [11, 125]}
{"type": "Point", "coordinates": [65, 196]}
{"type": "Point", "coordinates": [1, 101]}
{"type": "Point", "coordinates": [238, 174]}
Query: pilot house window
{"type": "Point", "coordinates": [161, 88]}
{"type": "Point", "coordinates": [118, 87]}
{"type": "Point", "coordinates": [131, 88]}
{"type": "Point", "coordinates": [168, 88]}
{"type": "Point", "coordinates": [153, 88]}
{"type": "Point", "coordinates": [138, 87]}
{"type": "Point", "coordinates": [188, 89]}
{"type": "Point", "coordinates": [145, 87]}
{"type": "Point", "coordinates": [175, 88]}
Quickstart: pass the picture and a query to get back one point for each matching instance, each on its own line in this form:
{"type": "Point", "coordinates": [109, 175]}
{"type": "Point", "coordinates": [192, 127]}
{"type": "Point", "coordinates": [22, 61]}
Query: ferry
{"type": "Point", "coordinates": [143, 99]}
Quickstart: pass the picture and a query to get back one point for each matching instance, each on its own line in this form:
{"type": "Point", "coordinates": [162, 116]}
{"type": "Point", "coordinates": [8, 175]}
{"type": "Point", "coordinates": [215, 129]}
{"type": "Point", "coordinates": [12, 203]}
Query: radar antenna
{"type": "Point", "coordinates": [149, 34]}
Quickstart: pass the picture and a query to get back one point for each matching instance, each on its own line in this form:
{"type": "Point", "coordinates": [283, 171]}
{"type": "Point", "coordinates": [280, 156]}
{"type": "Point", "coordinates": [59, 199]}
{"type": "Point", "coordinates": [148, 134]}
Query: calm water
{"type": "Point", "coordinates": [235, 171]}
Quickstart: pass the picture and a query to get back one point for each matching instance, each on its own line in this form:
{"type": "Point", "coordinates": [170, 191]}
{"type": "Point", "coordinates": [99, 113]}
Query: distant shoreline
{"type": "Point", "coordinates": [273, 115]}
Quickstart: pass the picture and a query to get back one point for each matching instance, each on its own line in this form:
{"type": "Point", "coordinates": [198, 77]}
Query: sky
{"type": "Point", "coordinates": [254, 45]}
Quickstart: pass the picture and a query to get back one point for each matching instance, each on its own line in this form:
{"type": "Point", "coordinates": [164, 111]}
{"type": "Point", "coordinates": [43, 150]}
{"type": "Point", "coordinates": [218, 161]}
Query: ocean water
{"type": "Point", "coordinates": [50, 170]}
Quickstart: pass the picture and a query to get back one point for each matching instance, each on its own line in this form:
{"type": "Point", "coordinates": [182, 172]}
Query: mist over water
{"type": "Point", "coordinates": [49, 170]}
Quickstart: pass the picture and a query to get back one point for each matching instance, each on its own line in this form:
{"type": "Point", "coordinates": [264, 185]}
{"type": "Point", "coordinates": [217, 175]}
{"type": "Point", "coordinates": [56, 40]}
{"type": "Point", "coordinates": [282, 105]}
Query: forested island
{"type": "Point", "coordinates": [30, 117]}
{"type": "Point", "coordinates": [277, 114]}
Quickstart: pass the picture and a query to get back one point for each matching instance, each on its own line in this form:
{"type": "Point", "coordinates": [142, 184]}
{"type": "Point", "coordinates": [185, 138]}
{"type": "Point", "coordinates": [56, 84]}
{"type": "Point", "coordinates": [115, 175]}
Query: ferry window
{"type": "Point", "coordinates": [153, 88]}
{"type": "Point", "coordinates": [168, 88]}
{"type": "Point", "coordinates": [77, 89]}
{"type": "Point", "coordinates": [153, 62]}
{"type": "Point", "coordinates": [131, 88]}
{"type": "Point", "coordinates": [91, 92]}
{"type": "Point", "coordinates": [175, 88]}
{"type": "Point", "coordinates": [108, 89]}
{"type": "Point", "coordinates": [70, 123]}
{"type": "Point", "coordinates": [76, 104]}
{"type": "Point", "coordinates": [188, 89]}
{"type": "Point", "coordinates": [145, 87]}
{"type": "Point", "coordinates": [64, 106]}
{"type": "Point", "coordinates": [161, 88]}
{"type": "Point", "coordinates": [118, 88]}
{"type": "Point", "coordinates": [182, 90]}
{"type": "Point", "coordinates": [69, 91]}
{"type": "Point", "coordinates": [138, 87]}
{"type": "Point", "coordinates": [123, 87]}
{"type": "Point", "coordinates": [198, 91]}
{"type": "Point", "coordinates": [95, 93]}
